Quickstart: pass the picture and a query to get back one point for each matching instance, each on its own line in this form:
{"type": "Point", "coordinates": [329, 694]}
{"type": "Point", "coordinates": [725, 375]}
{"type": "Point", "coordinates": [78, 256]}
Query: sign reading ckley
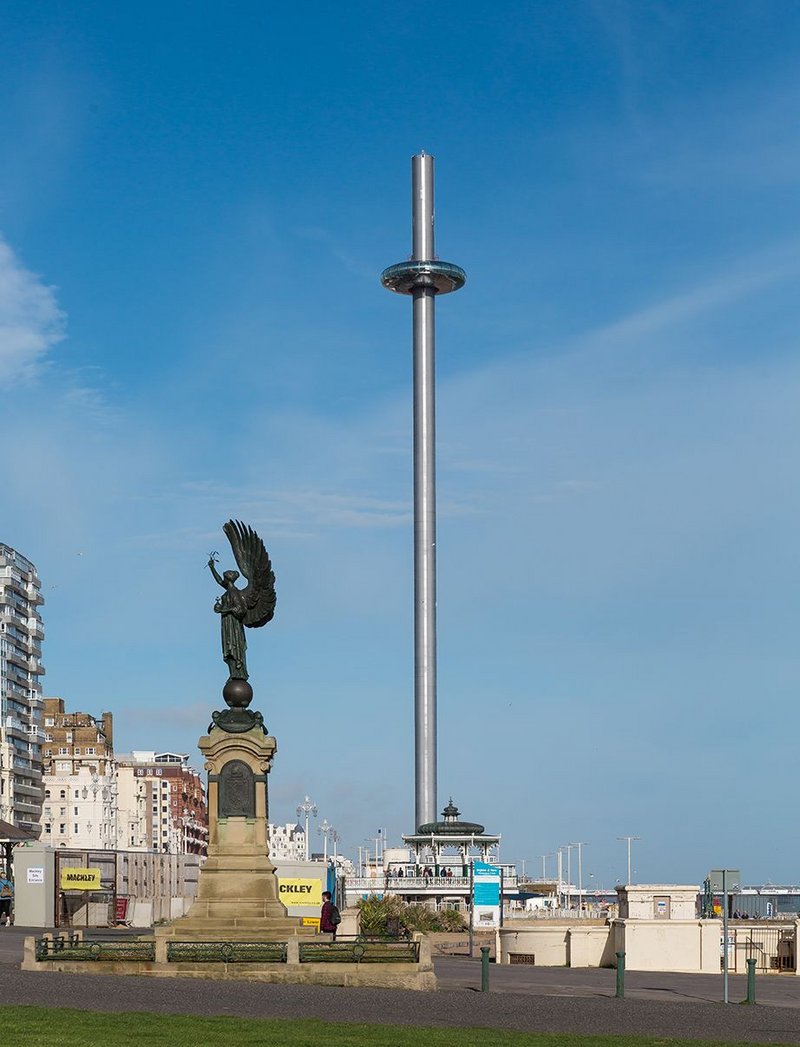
{"type": "Point", "coordinates": [296, 892]}
{"type": "Point", "coordinates": [75, 879]}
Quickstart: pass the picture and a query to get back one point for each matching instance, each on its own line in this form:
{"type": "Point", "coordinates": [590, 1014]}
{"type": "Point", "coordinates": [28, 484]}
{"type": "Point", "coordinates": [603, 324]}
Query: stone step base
{"type": "Point", "coordinates": [242, 929]}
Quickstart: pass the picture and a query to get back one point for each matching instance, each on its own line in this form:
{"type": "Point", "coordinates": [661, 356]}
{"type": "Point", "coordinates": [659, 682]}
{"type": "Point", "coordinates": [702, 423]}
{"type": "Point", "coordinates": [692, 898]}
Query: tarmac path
{"type": "Point", "coordinates": [528, 999]}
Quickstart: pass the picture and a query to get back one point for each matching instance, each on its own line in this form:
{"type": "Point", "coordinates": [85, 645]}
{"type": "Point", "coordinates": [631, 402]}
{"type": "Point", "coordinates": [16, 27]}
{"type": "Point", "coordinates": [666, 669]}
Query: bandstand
{"type": "Point", "coordinates": [435, 869]}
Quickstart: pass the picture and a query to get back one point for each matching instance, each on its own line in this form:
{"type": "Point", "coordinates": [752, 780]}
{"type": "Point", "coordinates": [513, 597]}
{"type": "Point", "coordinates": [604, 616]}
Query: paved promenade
{"type": "Point", "coordinates": [526, 999]}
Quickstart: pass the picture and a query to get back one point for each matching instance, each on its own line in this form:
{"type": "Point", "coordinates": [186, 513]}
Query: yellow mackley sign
{"type": "Point", "coordinates": [300, 892]}
{"type": "Point", "coordinates": [74, 879]}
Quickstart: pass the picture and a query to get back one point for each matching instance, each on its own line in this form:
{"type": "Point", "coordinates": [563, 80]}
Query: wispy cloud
{"type": "Point", "coordinates": [31, 322]}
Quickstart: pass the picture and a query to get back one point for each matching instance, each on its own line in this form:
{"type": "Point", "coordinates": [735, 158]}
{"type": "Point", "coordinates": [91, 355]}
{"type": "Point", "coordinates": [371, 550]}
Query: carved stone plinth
{"type": "Point", "coordinates": [237, 895]}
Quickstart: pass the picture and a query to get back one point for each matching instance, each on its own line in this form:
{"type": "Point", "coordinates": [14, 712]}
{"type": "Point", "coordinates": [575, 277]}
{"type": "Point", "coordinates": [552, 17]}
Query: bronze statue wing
{"type": "Point", "coordinates": [253, 561]}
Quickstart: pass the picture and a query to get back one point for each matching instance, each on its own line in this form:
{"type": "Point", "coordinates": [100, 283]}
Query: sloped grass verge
{"type": "Point", "coordinates": [51, 1027]}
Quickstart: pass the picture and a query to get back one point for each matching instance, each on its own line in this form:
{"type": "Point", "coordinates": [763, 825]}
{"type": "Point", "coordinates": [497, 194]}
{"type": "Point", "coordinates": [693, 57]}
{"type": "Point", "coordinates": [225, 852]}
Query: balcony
{"type": "Point", "coordinates": [15, 729]}
{"type": "Point", "coordinates": [11, 614]}
{"type": "Point", "coordinates": [25, 806]}
{"type": "Point", "coordinates": [28, 790]}
{"type": "Point", "coordinates": [10, 599]}
{"type": "Point", "coordinates": [15, 657]}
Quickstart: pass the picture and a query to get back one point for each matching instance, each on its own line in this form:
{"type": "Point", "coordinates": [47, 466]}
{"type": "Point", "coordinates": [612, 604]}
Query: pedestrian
{"type": "Point", "coordinates": [329, 917]}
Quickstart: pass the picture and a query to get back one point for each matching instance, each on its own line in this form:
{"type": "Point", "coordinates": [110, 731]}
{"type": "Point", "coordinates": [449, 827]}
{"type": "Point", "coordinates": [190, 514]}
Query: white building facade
{"type": "Point", "coordinates": [80, 809]}
{"type": "Point", "coordinates": [287, 843]}
{"type": "Point", "coordinates": [21, 635]}
{"type": "Point", "coordinates": [161, 803]}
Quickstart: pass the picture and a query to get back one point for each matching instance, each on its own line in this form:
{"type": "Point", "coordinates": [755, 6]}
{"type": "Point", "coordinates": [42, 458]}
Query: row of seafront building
{"type": "Point", "coordinates": [60, 779]}
{"type": "Point", "coordinates": [21, 635]}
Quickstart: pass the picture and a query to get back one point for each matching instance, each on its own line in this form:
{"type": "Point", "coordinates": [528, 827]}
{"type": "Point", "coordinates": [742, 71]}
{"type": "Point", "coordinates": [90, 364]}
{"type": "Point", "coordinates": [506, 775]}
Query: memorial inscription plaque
{"type": "Point", "coordinates": [237, 791]}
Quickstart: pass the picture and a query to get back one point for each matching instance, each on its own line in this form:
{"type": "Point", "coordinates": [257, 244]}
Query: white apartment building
{"type": "Point", "coordinates": [21, 636]}
{"type": "Point", "coordinates": [80, 810]}
{"type": "Point", "coordinates": [80, 788]}
{"type": "Point", "coordinates": [287, 843]}
{"type": "Point", "coordinates": [161, 803]}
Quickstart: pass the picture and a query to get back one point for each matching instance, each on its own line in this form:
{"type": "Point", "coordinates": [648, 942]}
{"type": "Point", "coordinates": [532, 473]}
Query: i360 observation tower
{"type": "Point", "coordinates": [424, 277]}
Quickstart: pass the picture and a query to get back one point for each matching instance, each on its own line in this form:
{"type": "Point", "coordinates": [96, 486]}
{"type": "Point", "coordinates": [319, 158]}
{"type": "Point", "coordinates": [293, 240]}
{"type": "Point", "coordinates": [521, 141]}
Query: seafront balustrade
{"type": "Point", "coordinates": [417, 884]}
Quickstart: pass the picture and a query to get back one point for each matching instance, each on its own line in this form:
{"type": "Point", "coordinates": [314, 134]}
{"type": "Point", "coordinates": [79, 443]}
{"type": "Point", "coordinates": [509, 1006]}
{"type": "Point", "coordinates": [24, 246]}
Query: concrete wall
{"type": "Point", "coordinates": [590, 947]}
{"type": "Point", "coordinates": [649, 901]}
{"type": "Point", "coordinates": [669, 945]}
{"type": "Point", "coordinates": [546, 942]}
{"type": "Point", "coordinates": [649, 945]}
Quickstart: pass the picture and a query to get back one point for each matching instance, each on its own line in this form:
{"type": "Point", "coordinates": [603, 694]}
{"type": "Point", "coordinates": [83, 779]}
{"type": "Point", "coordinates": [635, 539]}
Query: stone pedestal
{"type": "Point", "coordinates": [237, 896]}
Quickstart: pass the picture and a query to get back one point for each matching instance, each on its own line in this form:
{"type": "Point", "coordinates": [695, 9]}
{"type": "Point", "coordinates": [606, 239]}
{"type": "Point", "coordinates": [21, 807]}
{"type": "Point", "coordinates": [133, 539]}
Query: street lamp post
{"type": "Point", "coordinates": [323, 829]}
{"type": "Point", "coordinates": [622, 839]}
{"type": "Point", "coordinates": [569, 847]}
{"type": "Point", "coordinates": [306, 808]}
{"type": "Point", "coordinates": [580, 845]}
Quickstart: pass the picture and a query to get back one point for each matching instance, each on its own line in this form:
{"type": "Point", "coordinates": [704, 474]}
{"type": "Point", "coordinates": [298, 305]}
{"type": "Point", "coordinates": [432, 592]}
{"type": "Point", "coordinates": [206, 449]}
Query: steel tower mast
{"type": "Point", "coordinates": [424, 277]}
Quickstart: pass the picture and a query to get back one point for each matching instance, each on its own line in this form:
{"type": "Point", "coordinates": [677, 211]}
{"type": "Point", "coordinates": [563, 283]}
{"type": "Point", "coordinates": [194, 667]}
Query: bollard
{"type": "Point", "coordinates": [751, 981]}
{"type": "Point", "coordinates": [484, 968]}
{"type": "Point", "coordinates": [620, 975]}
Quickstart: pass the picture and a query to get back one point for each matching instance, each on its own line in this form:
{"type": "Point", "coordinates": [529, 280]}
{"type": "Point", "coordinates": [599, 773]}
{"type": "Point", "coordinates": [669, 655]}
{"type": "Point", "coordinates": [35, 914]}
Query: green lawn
{"type": "Point", "coordinates": [43, 1027]}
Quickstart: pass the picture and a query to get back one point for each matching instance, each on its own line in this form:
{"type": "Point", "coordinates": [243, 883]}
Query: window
{"type": "Point", "coordinates": [62, 829]}
{"type": "Point", "coordinates": [48, 752]}
{"type": "Point", "coordinates": [75, 812]}
{"type": "Point", "coordinates": [77, 751]}
{"type": "Point", "coordinates": [76, 829]}
{"type": "Point", "coordinates": [90, 750]}
{"type": "Point", "coordinates": [76, 794]}
{"type": "Point", "coordinates": [47, 794]}
{"type": "Point", "coordinates": [63, 752]}
{"type": "Point", "coordinates": [49, 722]}
{"type": "Point", "coordinates": [69, 737]}
{"type": "Point", "coordinates": [163, 822]}
{"type": "Point", "coordinates": [63, 794]}
{"type": "Point", "coordinates": [164, 809]}
{"type": "Point", "coordinates": [48, 737]}
{"type": "Point", "coordinates": [47, 827]}
{"type": "Point", "coordinates": [62, 811]}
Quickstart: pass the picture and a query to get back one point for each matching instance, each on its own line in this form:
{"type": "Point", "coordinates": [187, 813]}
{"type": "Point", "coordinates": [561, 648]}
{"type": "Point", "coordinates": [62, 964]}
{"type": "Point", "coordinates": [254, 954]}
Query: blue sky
{"type": "Point", "coordinates": [195, 207]}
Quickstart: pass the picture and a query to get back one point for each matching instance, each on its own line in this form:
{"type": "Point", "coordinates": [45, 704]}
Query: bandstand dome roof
{"type": "Point", "coordinates": [450, 825]}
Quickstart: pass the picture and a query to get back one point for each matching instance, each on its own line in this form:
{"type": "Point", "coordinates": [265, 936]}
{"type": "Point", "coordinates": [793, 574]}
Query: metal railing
{"type": "Point", "coordinates": [359, 950]}
{"type": "Point", "coordinates": [772, 947]}
{"type": "Point", "coordinates": [226, 952]}
{"type": "Point", "coordinates": [400, 884]}
{"type": "Point", "coordinates": [556, 914]}
{"type": "Point", "coordinates": [71, 947]}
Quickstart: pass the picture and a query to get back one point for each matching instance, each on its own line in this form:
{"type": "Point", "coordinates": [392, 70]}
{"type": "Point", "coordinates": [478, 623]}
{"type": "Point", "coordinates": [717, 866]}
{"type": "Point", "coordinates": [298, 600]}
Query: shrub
{"type": "Point", "coordinates": [388, 915]}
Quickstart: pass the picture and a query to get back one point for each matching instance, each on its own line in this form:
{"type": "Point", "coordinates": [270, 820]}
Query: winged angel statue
{"type": "Point", "coordinates": [252, 606]}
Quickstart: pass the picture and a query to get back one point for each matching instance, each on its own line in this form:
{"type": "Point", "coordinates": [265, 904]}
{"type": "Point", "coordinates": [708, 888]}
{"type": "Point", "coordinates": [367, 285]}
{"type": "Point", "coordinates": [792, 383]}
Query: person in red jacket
{"type": "Point", "coordinates": [329, 918]}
